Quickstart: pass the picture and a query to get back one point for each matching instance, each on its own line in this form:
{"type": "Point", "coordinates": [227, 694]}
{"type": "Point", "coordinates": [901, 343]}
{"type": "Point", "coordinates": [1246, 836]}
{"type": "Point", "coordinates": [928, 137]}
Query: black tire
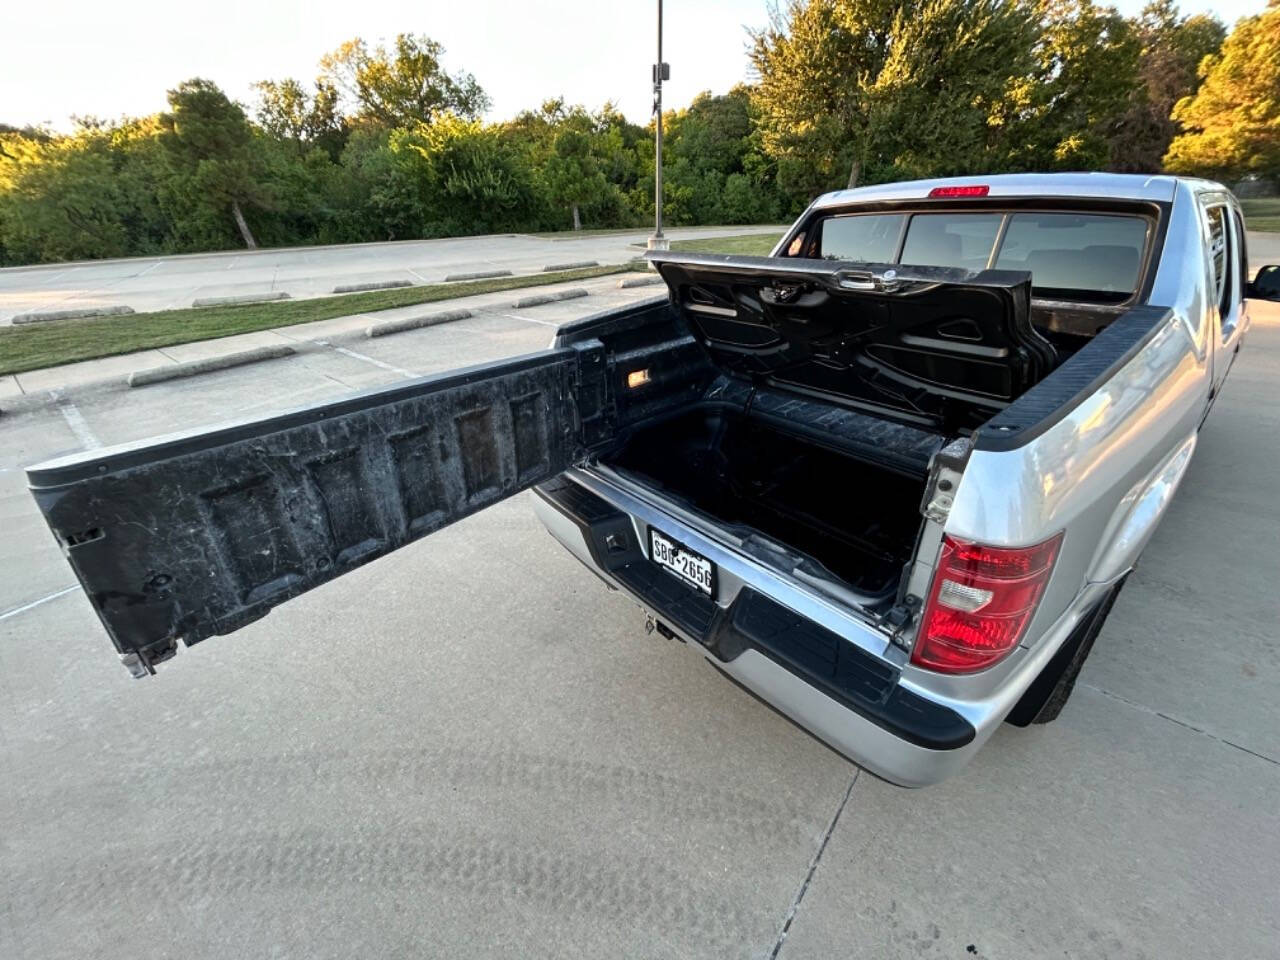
{"type": "Point", "coordinates": [1049, 692]}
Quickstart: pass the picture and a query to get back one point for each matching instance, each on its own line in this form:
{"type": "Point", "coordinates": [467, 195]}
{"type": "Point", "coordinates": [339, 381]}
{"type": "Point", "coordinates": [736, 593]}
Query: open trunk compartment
{"type": "Point", "coordinates": [850, 519]}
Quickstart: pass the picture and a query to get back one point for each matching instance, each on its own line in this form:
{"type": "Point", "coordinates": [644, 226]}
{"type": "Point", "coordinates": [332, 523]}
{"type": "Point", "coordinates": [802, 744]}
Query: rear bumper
{"type": "Point", "coordinates": [772, 644]}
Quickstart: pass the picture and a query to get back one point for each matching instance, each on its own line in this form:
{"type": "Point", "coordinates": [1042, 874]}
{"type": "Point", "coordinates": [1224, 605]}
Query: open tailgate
{"type": "Point", "coordinates": [196, 534]}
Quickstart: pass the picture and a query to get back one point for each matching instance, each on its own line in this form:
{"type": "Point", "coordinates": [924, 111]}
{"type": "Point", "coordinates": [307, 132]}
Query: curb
{"type": "Point", "coordinates": [572, 265]}
{"type": "Point", "coordinates": [541, 298]}
{"type": "Point", "coordinates": [44, 315]}
{"type": "Point", "coordinates": [626, 282]}
{"type": "Point", "coordinates": [413, 323]}
{"type": "Point", "coordinates": [244, 298]}
{"type": "Point", "coordinates": [192, 368]}
{"type": "Point", "coordinates": [376, 285]}
{"type": "Point", "coordinates": [478, 275]}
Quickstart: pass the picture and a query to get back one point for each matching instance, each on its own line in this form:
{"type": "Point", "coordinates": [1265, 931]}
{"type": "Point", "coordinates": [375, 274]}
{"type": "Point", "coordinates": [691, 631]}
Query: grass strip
{"type": "Point", "coordinates": [68, 341]}
{"type": "Point", "coordinates": [1262, 213]}
{"type": "Point", "coordinates": [751, 244]}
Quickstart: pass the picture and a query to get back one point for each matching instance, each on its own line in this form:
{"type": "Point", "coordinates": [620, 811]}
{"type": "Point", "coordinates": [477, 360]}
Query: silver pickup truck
{"type": "Point", "coordinates": [889, 479]}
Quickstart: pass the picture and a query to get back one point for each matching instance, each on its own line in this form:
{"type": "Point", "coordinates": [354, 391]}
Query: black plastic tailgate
{"type": "Point", "coordinates": [195, 534]}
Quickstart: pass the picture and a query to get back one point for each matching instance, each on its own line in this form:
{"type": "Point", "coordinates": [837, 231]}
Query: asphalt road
{"type": "Point", "coordinates": [162, 283]}
{"type": "Point", "coordinates": [471, 749]}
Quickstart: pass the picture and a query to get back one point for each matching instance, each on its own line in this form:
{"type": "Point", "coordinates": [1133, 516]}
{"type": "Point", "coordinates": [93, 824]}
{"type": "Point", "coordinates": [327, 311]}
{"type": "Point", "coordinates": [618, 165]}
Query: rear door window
{"type": "Point", "coordinates": [1076, 252]}
{"type": "Point", "coordinates": [951, 239]}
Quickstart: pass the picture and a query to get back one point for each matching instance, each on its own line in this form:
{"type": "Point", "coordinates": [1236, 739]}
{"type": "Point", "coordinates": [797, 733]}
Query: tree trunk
{"type": "Point", "coordinates": [244, 227]}
{"type": "Point", "coordinates": [855, 172]}
{"type": "Point", "coordinates": [577, 223]}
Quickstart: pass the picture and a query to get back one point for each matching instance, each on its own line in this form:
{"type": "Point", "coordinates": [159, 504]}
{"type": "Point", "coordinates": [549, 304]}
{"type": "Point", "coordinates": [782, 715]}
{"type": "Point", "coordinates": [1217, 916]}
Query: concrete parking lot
{"type": "Point", "coordinates": [470, 748]}
{"type": "Point", "coordinates": [163, 283]}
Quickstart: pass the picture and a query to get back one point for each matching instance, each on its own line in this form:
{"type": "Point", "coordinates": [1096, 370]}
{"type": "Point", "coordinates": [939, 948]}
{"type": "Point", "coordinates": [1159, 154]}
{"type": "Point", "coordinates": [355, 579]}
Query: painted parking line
{"type": "Point", "coordinates": [35, 603]}
{"type": "Point", "coordinates": [75, 420]}
{"type": "Point", "coordinates": [545, 323]}
{"type": "Point", "coordinates": [360, 356]}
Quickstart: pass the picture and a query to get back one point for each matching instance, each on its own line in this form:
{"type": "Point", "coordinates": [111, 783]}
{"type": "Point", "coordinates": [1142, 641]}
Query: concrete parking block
{"type": "Point", "coordinates": [192, 368]}
{"type": "Point", "coordinates": [571, 265]}
{"type": "Point", "coordinates": [239, 298]}
{"type": "Point", "coordinates": [77, 313]}
{"type": "Point", "coordinates": [387, 327]}
{"type": "Point", "coordinates": [206, 349]}
{"type": "Point", "coordinates": [539, 299]}
{"type": "Point", "coordinates": [375, 285]}
{"type": "Point", "coordinates": [638, 281]}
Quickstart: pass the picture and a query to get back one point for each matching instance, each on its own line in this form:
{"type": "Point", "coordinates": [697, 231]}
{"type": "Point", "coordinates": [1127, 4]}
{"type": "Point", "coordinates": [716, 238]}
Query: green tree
{"type": "Point", "coordinates": [472, 180]}
{"type": "Point", "coordinates": [1172, 48]}
{"type": "Point", "coordinates": [572, 174]}
{"type": "Point", "coordinates": [91, 194]}
{"type": "Point", "coordinates": [217, 168]}
{"type": "Point", "coordinates": [1071, 112]}
{"type": "Point", "coordinates": [403, 85]}
{"type": "Point", "coordinates": [1232, 124]}
{"type": "Point", "coordinates": [854, 90]}
{"type": "Point", "coordinates": [287, 112]}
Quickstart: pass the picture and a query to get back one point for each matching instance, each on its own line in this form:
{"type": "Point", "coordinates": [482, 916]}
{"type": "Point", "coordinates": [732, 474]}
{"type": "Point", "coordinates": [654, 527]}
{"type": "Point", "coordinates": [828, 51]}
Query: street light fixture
{"type": "Point", "coordinates": [661, 71]}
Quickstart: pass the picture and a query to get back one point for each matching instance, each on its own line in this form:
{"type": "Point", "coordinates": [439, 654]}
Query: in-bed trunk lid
{"type": "Point", "coordinates": [937, 346]}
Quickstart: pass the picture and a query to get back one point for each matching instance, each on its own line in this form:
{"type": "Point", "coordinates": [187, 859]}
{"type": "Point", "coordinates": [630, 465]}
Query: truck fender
{"type": "Point", "coordinates": [1138, 515]}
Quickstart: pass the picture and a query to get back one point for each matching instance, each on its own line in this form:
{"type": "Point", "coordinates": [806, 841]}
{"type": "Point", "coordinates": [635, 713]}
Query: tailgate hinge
{"type": "Point", "coordinates": [900, 616]}
{"type": "Point", "coordinates": [945, 471]}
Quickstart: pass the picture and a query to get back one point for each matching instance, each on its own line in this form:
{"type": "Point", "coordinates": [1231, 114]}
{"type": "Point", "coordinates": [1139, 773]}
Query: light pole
{"type": "Point", "coordinates": [661, 71]}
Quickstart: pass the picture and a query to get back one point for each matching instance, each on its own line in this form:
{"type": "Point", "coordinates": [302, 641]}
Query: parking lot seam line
{"type": "Point", "coordinates": [79, 426]}
{"type": "Point", "coordinates": [813, 868]}
{"type": "Point", "coordinates": [1151, 711]}
{"type": "Point", "coordinates": [35, 603]}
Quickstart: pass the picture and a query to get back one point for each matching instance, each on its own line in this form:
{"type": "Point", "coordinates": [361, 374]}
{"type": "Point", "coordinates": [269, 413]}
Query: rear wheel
{"type": "Point", "coordinates": [1050, 691]}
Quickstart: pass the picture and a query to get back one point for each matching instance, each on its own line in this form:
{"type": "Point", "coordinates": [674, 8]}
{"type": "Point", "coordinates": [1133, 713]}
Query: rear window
{"type": "Point", "coordinates": [1074, 255]}
{"type": "Point", "coordinates": [870, 238]}
{"type": "Point", "coordinates": [1071, 252]}
{"type": "Point", "coordinates": [951, 239]}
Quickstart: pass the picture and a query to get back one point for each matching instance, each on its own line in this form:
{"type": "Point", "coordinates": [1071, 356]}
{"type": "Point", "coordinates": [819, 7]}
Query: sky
{"type": "Point", "coordinates": [109, 59]}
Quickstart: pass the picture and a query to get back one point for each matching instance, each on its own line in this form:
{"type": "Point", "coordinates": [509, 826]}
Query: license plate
{"type": "Point", "coordinates": [683, 562]}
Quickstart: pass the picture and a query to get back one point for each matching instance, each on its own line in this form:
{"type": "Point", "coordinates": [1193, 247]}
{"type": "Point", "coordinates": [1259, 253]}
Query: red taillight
{"type": "Point", "coordinates": [973, 190]}
{"type": "Point", "coordinates": [980, 603]}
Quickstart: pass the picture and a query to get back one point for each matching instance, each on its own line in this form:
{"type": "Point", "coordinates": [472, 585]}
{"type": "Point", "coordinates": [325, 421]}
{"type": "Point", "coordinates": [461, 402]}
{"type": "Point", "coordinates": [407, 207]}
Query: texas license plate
{"type": "Point", "coordinates": [683, 562]}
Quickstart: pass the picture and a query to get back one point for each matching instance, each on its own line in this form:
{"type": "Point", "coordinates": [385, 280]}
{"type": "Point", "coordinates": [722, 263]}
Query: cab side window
{"type": "Point", "coordinates": [1241, 251]}
{"type": "Point", "coordinates": [1220, 257]}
